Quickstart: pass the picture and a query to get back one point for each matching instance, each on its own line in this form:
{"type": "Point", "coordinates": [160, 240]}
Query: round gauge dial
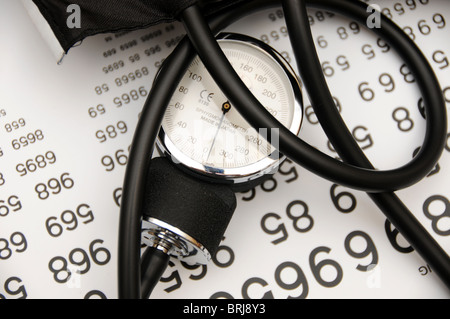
{"type": "Point", "coordinates": [204, 132]}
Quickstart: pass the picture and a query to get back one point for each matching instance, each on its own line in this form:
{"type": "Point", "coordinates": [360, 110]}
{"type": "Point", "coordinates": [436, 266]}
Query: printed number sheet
{"type": "Point", "coordinates": [66, 130]}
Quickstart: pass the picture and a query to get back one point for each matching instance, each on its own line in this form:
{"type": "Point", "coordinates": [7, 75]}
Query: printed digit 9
{"type": "Point", "coordinates": [369, 250]}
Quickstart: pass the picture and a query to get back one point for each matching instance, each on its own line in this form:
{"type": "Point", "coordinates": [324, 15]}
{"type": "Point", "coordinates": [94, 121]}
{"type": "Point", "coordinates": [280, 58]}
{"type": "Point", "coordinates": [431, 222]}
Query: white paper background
{"type": "Point", "coordinates": [56, 100]}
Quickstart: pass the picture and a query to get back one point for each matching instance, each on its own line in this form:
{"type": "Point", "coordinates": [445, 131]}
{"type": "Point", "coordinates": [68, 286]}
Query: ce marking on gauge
{"type": "Point", "coordinates": [205, 95]}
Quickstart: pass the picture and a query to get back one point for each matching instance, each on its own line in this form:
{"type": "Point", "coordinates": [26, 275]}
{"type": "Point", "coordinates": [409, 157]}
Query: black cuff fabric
{"type": "Point", "coordinates": [106, 16]}
{"type": "Point", "coordinates": [200, 209]}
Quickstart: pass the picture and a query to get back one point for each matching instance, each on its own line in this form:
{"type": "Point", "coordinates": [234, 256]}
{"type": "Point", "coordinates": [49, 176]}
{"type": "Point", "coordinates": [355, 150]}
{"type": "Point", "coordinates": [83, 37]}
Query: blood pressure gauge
{"type": "Point", "coordinates": [204, 133]}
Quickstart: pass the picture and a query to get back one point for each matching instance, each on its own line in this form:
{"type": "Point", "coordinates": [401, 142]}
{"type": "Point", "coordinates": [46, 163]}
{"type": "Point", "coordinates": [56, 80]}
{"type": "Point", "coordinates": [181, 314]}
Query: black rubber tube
{"type": "Point", "coordinates": [137, 172]}
{"type": "Point", "coordinates": [154, 262]}
{"type": "Point", "coordinates": [135, 181]}
{"type": "Point", "coordinates": [350, 175]}
{"type": "Point", "coordinates": [393, 208]}
{"type": "Point", "coordinates": [237, 93]}
{"type": "Point", "coordinates": [315, 83]}
{"type": "Point", "coordinates": [142, 147]}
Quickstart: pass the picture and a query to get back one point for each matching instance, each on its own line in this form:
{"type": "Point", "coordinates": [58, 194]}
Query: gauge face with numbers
{"type": "Point", "coordinates": [204, 132]}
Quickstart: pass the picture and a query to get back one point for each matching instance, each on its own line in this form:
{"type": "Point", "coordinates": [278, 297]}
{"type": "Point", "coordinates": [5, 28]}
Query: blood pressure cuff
{"type": "Point", "coordinates": [107, 16]}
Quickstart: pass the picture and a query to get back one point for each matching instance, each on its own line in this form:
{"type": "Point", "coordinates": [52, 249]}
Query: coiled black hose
{"type": "Point", "coordinates": [355, 173]}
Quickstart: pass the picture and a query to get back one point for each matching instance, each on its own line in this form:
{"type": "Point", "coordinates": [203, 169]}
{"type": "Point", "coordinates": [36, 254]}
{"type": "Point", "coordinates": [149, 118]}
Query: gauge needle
{"type": "Point", "coordinates": [225, 108]}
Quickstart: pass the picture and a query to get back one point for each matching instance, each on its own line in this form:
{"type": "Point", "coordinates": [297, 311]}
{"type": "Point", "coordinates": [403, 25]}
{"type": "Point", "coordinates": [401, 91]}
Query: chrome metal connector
{"type": "Point", "coordinates": [173, 241]}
